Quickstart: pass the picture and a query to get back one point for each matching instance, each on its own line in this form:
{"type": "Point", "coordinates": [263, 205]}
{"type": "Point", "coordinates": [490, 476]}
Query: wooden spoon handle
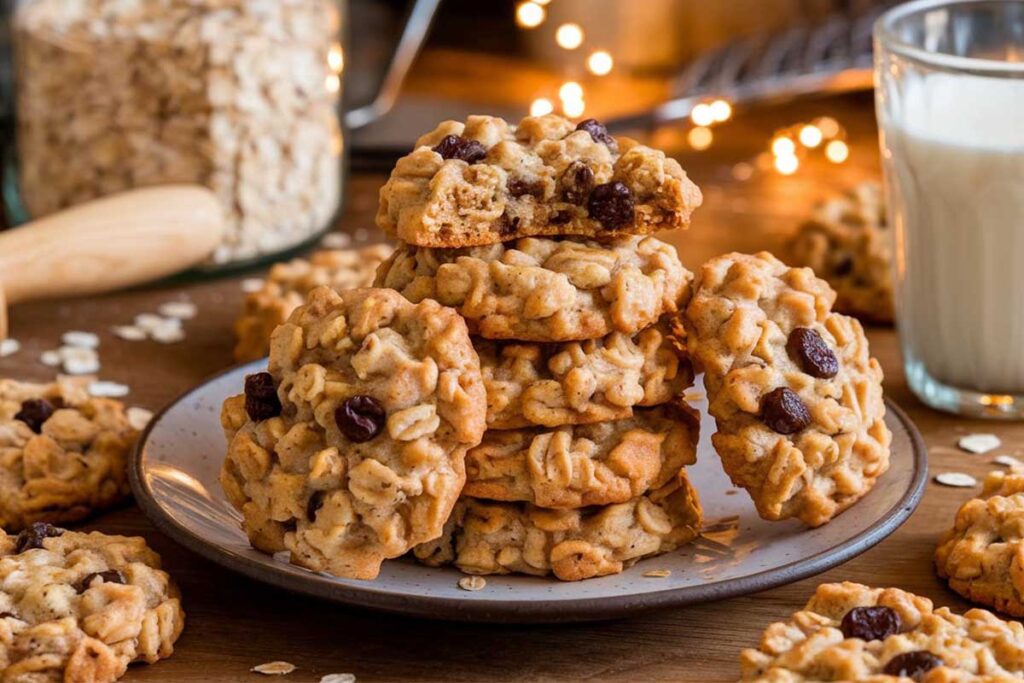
{"type": "Point", "coordinates": [119, 241]}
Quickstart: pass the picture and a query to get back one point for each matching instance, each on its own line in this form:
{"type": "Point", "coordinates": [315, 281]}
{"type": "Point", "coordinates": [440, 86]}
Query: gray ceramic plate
{"type": "Point", "coordinates": [175, 482]}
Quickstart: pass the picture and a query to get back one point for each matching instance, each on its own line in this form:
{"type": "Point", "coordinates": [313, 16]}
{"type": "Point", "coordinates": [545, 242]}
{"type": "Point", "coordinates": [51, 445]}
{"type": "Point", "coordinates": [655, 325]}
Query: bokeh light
{"type": "Point", "coordinates": [828, 126]}
{"type": "Point", "coordinates": [701, 115]}
{"type": "Point", "coordinates": [570, 90]}
{"type": "Point", "coordinates": [336, 58]}
{"type": "Point", "coordinates": [332, 83]}
{"type": "Point", "coordinates": [721, 110]}
{"type": "Point", "coordinates": [837, 152]}
{"type": "Point", "coordinates": [569, 36]}
{"type": "Point", "coordinates": [573, 108]}
{"type": "Point", "coordinates": [810, 136]}
{"type": "Point", "coordinates": [530, 14]}
{"type": "Point", "coordinates": [700, 138]}
{"type": "Point", "coordinates": [541, 106]}
{"type": "Point", "coordinates": [787, 164]}
{"type": "Point", "coordinates": [783, 146]}
{"type": "Point", "coordinates": [600, 63]}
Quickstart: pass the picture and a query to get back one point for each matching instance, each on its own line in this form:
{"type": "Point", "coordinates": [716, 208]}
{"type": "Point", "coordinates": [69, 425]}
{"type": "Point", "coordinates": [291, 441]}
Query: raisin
{"type": "Point", "coordinates": [809, 350]}
{"type": "Point", "coordinates": [912, 664]}
{"type": "Point", "coordinates": [560, 217]}
{"type": "Point", "coordinates": [844, 267]}
{"type": "Point", "coordinates": [870, 623]}
{"type": "Point", "coordinates": [360, 418]}
{"type": "Point", "coordinates": [576, 183]}
{"type": "Point", "coordinates": [261, 400]}
{"type": "Point", "coordinates": [458, 147]}
{"type": "Point", "coordinates": [506, 225]}
{"type": "Point", "coordinates": [612, 205]}
{"type": "Point", "coordinates": [109, 576]}
{"type": "Point", "coordinates": [34, 412]}
{"type": "Point", "coordinates": [5, 615]}
{"type": "Point", "coordinates": [33, 536]}
{"type": "Point", "coordinates": [517, 187]}
{"type": "Point", "coordinates": [598, 133]}
{"type": "Point", "coordinates": [784, 412]}
{"type": "Point", "coordinates": [316, 501]}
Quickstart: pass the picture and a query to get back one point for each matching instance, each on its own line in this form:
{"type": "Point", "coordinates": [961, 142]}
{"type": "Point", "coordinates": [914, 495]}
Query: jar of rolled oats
{"type": "Point", "coordinates": [239, 95]}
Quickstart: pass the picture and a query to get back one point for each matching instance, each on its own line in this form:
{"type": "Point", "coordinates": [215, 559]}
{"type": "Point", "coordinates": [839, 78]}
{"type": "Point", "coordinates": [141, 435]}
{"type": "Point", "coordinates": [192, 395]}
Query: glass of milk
{"type": "Point", "coordinates": [949, 79]}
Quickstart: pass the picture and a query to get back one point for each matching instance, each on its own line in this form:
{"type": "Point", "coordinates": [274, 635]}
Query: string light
{"type": "Point", "coordinates": [570, 90]}
{"type": "Point", "coordinates": [573, 108]}
{"type": "Point", "coordinates": [569, 36]}
{"type": "Point", "coordinates": [837, 152]}
{"type": "Point", "coordinates": [721, 110]}
{"type": "Point", "coordinates": [336, 58]}
{"type": "Point", "coordinates": [600, 63]}
{"type": "Point", "coordinates": [828, 126]}
{"type": "Point", "coordinates": [530, 14]}
{"type": "Point", "coordinates": [810, 136]}
{"type": "Point", "coordinates": [541, 106]}
{"type": "Point", "coordinates": [700, 138]}
{"type": "Point", "coordinates": [786, 164]}
{"type": "Point", "coordinates": [783, 146]}
{"type": "Point", "coordinates": [701, 115]}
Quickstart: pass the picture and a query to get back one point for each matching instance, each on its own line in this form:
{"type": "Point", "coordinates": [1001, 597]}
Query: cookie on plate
{"type": "Point", "coordinates": [546, 290]}
{"type": "Point", "coordinates": [351, 449]}
{"type": "Point", "coordinates": [592, 464]}
{"type": "Point", "coordinates": [850, 632]}
{"type": "Point", "coordinates": [795, 393]}
{"type": "Point", "coordinates": [485, 181]}
{"type": "Point", "coordinates": [287, 285]}
{"type": "Point", "coordinates": [82, 607]}
{"type": "Point", "coordinates": [63, 453]}
{"type": "Point", "coordinates": [848, 243]}
{"type": "Point", "coordinates": [485, 537]}
{"type": "Point", "coordinates": [582, 382]}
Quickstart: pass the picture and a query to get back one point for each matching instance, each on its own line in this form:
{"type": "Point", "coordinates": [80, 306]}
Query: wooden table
{"type": "Point", "coordinates": [234, 623]}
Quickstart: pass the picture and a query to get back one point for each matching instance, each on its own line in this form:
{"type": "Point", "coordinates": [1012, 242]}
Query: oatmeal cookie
{"type": "Point", "coordinates": [287, 285]}
{"type": "Point", "coordinates": [500, 538]}
{"type": "Point", "coordinates": [485, 181]}
{"type": "Point", "coordinates": [582, 382]}
{"type": "Point", "coordinates": [593, 464]}
{"type": "Point", "coordinates": [847, 242]}
{"type": "Point", "coordinates": [351, 449]}
{"type": "Point", "coordinates": [78, 607]}
{"type": "Point", "coordinates": [796, 396]}
{"type": "Point", "coordinates": [63, 453]}
{"type": "Point", "coordinates": [546, 290]}
{"type": "Point", "coordinates": [850, 632]}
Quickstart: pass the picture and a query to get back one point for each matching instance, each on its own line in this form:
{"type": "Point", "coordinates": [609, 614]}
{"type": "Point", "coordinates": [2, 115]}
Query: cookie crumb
{"type": "Point", "coordinates": [472, 583]}
{"type": "Point", "coordinates": [1008, 461]}
{"type": "Point", "coordinates": [128, 332]}
{"type": "Point", "coordinates": [658, 573]}
{"type": "Point", "coordinates": [102, 389]}
{"type": "Point", "coordinates": [979, 443]}
{"type": "Point", "coordinates": [50, 358]}
{"type": "Point", "coordinates": [80, 340]}
{"type": "Point", "coordinates": [138, 418]}
{"type": "Point", "coordinates": [338, 678]}
{"type": "Point", "coordinates": [274, 668]}
{"type": "Point", "coordinates": [78, 360]}
{"type": "Point", "coordinates": [180, 310]}
{"type": "Point", "coordinates": [956, 479]}
{"type": "Point", "coordinates": [9, 347]}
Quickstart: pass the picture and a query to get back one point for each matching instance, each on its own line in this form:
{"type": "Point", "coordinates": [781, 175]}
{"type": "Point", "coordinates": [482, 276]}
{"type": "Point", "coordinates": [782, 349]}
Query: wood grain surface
{"type": "Point", "coordinates": [234, 623]}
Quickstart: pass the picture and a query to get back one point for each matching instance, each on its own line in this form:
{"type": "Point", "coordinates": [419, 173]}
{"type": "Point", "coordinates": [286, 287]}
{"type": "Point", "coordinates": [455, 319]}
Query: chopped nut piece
{"type": "Point", "coordinates": [956, 479]}
{"type": "Point", "coordinates": [338, 678]}
{"type": "Point", "coordinates": [658, 573]}
{"type": "Point", "coordinates": [274, 668]}
{"type": "Point", "coordinates": [108, 389]}
{"type": "Point", "coordinates": [139, 418]}
{"type": "Point", "coordinates": [979, 443]}
{"type": "Point", "coordinates": [81, 340]}
{"type": "Point", "coordinates": [472, 583]}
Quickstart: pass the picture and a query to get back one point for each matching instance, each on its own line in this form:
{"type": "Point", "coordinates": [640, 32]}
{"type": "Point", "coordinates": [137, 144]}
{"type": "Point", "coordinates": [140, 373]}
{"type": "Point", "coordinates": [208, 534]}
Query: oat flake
{"type": "Point", "coordinates": [129, 332]}
{"type": "Point", "coordinates": [148, 321]}
{"type": "Point", "coordinates": [138, 418]}
{"type": "Point", "coordinates": [252, 284]}
{"type": "Point", "coordinates": [79, 361]}
{"type": "Point", "coordinates": [180, 310]}
{"type": "Point", "coordinates": [957, 479]}
{"type": "Point", "coordinates": [979, 443]}
{"type": "Point", "coordinates": [108, 389]}
{"type": "Point", "coordinates": [338, 678]}
{"type": "Point", "coordinates": [274, 668]}
{"type": "Point", "coordinates": [1008, 461]}
{"type": "Point", "coordinates": [168, 334]}
{"type": "Point", "coordinates": [50, 358]}
{"type": "Point", "coordinates": [472, 583]}
{"type": "Point", "coordinates": [658, 573]}
{"type": "Point", "coordinates": [9, 347]}
{"type": "Point", "coordinates": [80, 340]}
{"type": "Point", "coordinates": [336, 240]}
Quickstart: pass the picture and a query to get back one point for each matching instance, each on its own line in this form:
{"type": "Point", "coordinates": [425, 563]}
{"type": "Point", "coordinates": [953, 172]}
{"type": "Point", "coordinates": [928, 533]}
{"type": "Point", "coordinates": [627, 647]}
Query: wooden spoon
{"type": "Point", "coordinates": [108, 244]}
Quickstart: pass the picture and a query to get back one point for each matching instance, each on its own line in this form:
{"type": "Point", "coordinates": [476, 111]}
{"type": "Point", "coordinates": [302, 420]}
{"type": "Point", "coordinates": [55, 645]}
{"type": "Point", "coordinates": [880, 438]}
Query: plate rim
{"type": "Point", "coordinates": [523, 611]}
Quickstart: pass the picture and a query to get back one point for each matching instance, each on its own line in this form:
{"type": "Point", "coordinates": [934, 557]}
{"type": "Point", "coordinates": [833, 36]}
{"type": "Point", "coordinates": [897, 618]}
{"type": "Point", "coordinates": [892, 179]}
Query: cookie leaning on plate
{"type": "Point", "coordinates": [795, 393]}
{"type": "Point", "coordinates": [546, 290]}
{"type": "Point", "coordinates": [850, 632]}
{"type": "Point", "coordinates": [351, 449]}
{"type": "Point", "coordinates": [485, 181]}
{"type": "Point", "coordinates": [82, 607]}
{"type": "Point", "coordinates": [63, 453]}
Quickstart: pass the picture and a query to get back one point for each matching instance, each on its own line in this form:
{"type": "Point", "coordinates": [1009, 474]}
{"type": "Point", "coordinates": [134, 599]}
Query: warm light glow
{"type": "Point", "coordinates": [721, 110]}
{"type": "Point", "coordinates": [530, 15]}
{"type": "Point", "coordinates": [541, 106]}
{"type": "Point", "coordinates": [573, 108]}
{"type": "Point", "coordinates": [600, 63]}
{"type": "Point", "coordinates": [569, 36]}
{"type": "Point", "coordinates": [700, 138]}
{"type": "Point", "coordinates": [782, 146]}
{"type": "Point", "coordinates": [786, 164]}
{"type": "Point", "coordinates": [336, 58]}
{"type": "Point", "coordinates": [837, 152]}
{"type": "Point", "coordinates": [810, 136]}
{"type": "Point", "coordinates": [332, 83]}
{"type": "Point", "coordinates": [828, 126]}
{"type": "Point", "coordinates": [742, 171]}
{"type": "Point", "coordinates": [570, 90]}
{"type": "Point", "coordinates": [701, 115]}
{"type": "Point", "coordinates": [542, 2]}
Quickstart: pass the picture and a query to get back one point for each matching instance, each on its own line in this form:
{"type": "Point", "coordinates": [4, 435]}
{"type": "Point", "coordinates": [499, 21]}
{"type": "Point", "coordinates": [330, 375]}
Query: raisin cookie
{"type": "Point", "coordinates": [485, 181]}
{"type": "Point", "coordinates": [63, 453]}
{"type": "Point", "coordinates": [287, 285]}
{"type": "Point", "coordinates": [593, 464]}
{"type": "Point", "coordinates": [546, 290]}
{"type": "Point", "coordinates": [82, 607]}
{"type": "Point", "coordinates": [847, 242]}
{"type": "Point", "coordinates": [351, 449]}
{"type": "Point", "coordinates": [581, 382]}
{"type": "Point", "coordinates": [850, 632]}
{"type": "Point", "coordinates": [795, 394]}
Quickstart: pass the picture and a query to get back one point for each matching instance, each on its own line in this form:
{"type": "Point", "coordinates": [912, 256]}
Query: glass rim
{"type": "Point", "coordinates": [886, 38]}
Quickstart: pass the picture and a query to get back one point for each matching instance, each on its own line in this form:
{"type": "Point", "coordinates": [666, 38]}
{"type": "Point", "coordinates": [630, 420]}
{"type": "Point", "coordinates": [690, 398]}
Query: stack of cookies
{"type": "Point", "coordinates": [539, 236]}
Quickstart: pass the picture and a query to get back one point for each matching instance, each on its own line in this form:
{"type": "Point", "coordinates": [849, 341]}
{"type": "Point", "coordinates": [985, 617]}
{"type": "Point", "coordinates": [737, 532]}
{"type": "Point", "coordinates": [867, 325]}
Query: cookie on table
{"type": "Point", "coordinates": [351, 449]}
{"type": "Point", "coordinates": [795, 393]}
{"type": "Point", "coordinates": [848, 243]}
{"type": "Point", "coordinates": [850, 632]}
{"type": "Point", "coordinates": [63, 454]}
{"type": "Point", "coordinates": [82, 607]}
{"type": "Point", "coordinates": [287, 285]}
{"type": "Point", "coordinates": [546, 290]}
{"type": "Point", "coordinates": [592, 464]}
{"type": "Point", "coordinates": [581, 382]}
{"type": "Point", "coordinates": [485, 537]}
{"type": "Point", "coordinates": [485, 181]}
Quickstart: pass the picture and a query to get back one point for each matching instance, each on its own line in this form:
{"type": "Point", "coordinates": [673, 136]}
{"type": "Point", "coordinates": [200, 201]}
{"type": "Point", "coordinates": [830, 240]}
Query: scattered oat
{"type": "Point", "coordinates": [979, 443]}
{"type": "Point", "coordinates": [1008, 461]}
{"type": "Point", "coordinates": [50, 358]}
{"type": "Point", "coordinates": [9, 347]}
{"type": "Point", "coordinates": [179, 310]}
{"type": "Point", "coordinates": [252, 284]}
{"type": "Point", "coordinates": [168, 334]}
{"type": "Point", "coordinates": [80, 340]}
{"type": "Point", "coordinates": [336, 240]}
{"type": "Point", "coordinates": [338, 678]}
{"type": "Point", "coordinates": [138, 418]}
{"type": "Point", "coordinates": [129, 332]}
{"type": "Point", "coordinates": [283, 556]}
{"type": "Point", "coordinates": [79, 361]}
{"type": "Point", "coordinates": [658, 573]}
{"type": "Point", "coordinates": [274, 668]}
{"type": "Point", "coordinates": [149, 321]}
{"type": "Point", "coordinates": [103, 389]}
{"type": "Point", "coordinates": [957, 479]}
{"type": "Point", "coordinates": [472, 583]}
